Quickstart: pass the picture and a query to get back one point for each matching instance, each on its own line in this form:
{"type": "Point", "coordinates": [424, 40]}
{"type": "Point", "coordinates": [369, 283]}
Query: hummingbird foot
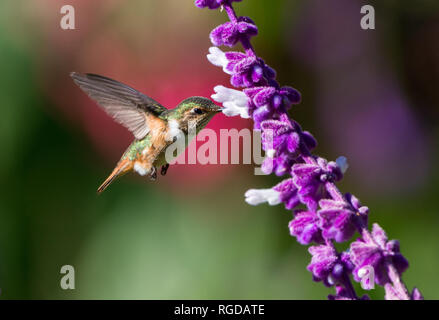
{"type": "Point", "coordinates": [164, 169]}
{"type": "Point", "coordinates": [153, 175]}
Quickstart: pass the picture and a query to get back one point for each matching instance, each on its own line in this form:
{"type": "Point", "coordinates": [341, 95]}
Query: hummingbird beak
{"type": "Point", "coordinates": [218, 109]}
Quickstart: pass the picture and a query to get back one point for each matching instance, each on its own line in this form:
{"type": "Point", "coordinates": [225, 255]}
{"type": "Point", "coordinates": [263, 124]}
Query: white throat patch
{"type": "Point", "coordinates": [140, 169]}
{"type": "Point", "coordinates": [173, 130]}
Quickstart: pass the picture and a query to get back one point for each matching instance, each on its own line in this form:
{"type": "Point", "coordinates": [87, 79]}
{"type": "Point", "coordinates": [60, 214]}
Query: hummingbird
{"type": "Point", "coordinates": [154, 127]}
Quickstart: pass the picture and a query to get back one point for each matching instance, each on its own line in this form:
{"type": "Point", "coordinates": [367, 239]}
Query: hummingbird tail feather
{"type": "Point", "coordinates": [120, 169]}
{"type": "Point", "coordinates": [107, 182]}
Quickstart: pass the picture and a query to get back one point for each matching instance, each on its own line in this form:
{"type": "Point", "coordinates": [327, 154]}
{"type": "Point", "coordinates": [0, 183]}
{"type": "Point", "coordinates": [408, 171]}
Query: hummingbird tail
{"type": "Point", "coordinates": [121, 168]}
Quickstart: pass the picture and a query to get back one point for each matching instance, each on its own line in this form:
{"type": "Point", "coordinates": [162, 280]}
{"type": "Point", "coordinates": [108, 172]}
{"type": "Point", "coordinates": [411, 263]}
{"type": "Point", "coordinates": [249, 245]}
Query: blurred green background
{"type": "Point", "coordinates": [369, 95]}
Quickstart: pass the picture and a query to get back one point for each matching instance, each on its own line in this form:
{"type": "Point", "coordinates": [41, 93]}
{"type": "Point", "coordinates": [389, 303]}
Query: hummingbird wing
{"type": "Point", "coordinates": [131, 108]}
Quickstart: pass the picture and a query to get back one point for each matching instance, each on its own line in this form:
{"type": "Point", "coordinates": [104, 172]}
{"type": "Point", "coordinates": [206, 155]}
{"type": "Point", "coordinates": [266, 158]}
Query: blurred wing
{"type": "Point", "coordinates": [129, 107]}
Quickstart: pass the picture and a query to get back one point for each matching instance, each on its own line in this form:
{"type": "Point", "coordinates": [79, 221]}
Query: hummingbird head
{"type": "Point", "coordinates": [196, 111]}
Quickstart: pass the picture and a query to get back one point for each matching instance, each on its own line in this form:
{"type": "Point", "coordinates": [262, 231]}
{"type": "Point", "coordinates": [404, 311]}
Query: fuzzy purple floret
{"type": "Point", "coordinates": [327, 265]}
{"type": "Point", "coordinates": [339, 219]}
{"type": "Point", "coordinates": [247, 70]}
{"type": "Point", "coordinates": [305, 227]}
{"type": "Point", "coordinates": [374, 250]}
{"type": "Point", "coordinates": [288, 193]}
{"type": "Point", "coordinates": [229, 33]}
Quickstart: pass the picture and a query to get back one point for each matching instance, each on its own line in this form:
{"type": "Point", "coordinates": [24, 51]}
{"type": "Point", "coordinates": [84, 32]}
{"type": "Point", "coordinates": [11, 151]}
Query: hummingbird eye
{"type": "Point", "coordinates": [197, 111]}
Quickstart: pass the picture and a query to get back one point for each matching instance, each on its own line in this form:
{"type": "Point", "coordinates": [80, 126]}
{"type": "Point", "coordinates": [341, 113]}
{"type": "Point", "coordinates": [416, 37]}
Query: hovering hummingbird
{"type": "Point", "coordinates": [154, 127]}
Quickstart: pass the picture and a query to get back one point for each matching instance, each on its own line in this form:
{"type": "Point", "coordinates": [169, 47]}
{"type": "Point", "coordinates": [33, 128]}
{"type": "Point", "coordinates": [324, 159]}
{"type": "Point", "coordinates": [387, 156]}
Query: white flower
{"type": "Point", "coordinates": [234, 101]}
{"type": "Point", "coordinates": [258, 196]}
{"type": "Point", "coordinates": [218, 58]}
{"type": "Point", "coordinates": [342, 163]}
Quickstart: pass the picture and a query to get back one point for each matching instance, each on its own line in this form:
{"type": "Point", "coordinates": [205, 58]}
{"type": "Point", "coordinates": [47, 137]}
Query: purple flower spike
{"type": "Point", "coordinates": [374, 250]}
{"type": "Point", "coordinates": [305, 228]}
{"type": "Point", "coordinates": [330, 216]}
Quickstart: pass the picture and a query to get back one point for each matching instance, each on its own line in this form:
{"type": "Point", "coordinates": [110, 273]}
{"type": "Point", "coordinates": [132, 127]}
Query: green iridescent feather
{"type": "Point", "coordinates": [136, 148]}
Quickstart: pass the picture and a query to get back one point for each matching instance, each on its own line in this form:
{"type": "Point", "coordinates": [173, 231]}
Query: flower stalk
{"type": "Point", "coordinates": [326, 215]}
